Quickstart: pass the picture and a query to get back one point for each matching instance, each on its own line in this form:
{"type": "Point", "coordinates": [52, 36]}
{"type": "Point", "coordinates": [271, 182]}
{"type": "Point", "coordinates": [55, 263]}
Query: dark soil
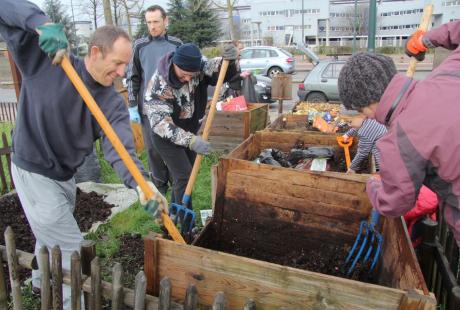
{"type": "Point", "coordinates": [90, 208]}
{"type": "Point", "coordinates": [263, 236]}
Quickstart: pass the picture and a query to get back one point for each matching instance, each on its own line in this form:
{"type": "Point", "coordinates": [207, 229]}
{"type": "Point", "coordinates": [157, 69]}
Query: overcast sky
{"type": "Point", "coordinates": [78, 4]}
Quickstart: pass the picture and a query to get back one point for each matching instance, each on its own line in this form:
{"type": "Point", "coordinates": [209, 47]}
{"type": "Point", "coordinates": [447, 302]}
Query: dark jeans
{"type": "Point", "coordinates": [159, 170]}
{"type": "Point", "coordinates": [179, 161]}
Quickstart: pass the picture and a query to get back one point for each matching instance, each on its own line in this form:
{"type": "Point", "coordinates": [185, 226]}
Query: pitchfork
{"type": "Point", "coordinates": [371, 242]}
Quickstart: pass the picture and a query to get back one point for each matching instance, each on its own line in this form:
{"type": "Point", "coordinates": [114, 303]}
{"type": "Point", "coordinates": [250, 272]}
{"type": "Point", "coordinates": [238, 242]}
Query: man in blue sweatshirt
{"type": "Point", "coordinates": [54, 129]}
{"type": "Point", "coordinates": [147, 52]}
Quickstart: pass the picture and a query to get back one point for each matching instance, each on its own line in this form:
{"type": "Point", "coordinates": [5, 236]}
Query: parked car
{"type": "Point", "coordinates": [320, 84]}
{"type": "Point", "coordinates": [263, 90]}
{"type": "Point", "coordinates": [267, 60]}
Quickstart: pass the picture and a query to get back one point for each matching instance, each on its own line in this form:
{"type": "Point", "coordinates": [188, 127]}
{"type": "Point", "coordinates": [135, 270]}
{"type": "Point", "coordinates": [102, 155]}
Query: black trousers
{"type": "Point", "coordinates": [179, 161]}
{"type": "Point", "coordinates": [159, 171]}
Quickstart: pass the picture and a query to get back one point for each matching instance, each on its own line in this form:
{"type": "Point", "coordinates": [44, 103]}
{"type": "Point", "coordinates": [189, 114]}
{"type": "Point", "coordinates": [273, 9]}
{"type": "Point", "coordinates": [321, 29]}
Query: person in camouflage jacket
{"type": "Point", "coordinates": [175, 103]}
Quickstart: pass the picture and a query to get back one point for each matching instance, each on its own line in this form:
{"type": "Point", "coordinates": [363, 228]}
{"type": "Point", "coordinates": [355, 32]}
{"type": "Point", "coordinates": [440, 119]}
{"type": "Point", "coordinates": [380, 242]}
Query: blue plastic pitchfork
{"type": "Point", "coordinates": [371, 239]}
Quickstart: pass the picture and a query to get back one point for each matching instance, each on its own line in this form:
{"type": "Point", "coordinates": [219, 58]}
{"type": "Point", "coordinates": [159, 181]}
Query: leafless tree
{"type": "Point", "coordinates": [132, 8]}
{"type": "Point", "coordinates": [92, 8]}
{"type": "Point", "coordinates": [362, 19]}
{"type": "Point", "coordinates": [229, 7]}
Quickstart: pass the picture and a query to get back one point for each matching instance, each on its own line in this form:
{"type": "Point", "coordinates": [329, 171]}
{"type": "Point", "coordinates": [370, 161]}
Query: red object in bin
{"type": "Point", "coordinates": [236, 104]}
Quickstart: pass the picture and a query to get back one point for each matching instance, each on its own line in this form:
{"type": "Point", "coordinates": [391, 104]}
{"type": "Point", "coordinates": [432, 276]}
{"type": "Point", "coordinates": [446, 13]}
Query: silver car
{"type": "Point", "coordinates": [267, 60]}
{"type": "Point", "coordinates": [320, 85]}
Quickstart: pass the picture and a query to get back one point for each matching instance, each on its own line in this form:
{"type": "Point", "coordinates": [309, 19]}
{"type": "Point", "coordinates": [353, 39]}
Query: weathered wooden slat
{"type": "Point", "coordinates": [24, 259]}
{"type": "Point", "coordinates": [87, 254]}
{"type": "Point", "coordinates": [96, 295]}
{"type": "Point", "coordinates": [151, 263]}
{"type": "Point", "coordinates": [45, 284]}
{"type": "Point", "coordinates": [117, 287]}
{"type": "Point", "coordinates": [3, 294]}
{"type": "Point", "coordinates": [13, 269]}
{"type": "Point", "coordinates": [414, 300]}
{"type": "Point", "coordinates": [139, 292]}
{"type": "Point", "coordinates": [8, 159]}
{"type": "Point", "coordinates": [400, 266]}
{"type": "Point", "coordinates": [220, 302]}
{"type": "Point", "coordinates": [75, 274]}
{"type": "Point", "coordinates": [56, 272]}
{"type": "Point", "coordinates": [165, 294]}
{"type": "Point", "coordinates": [250, 305]}
{"type": "Point", "coordinates": [271, 285]}
{"type": "Point", "coordinates": [191, 298]}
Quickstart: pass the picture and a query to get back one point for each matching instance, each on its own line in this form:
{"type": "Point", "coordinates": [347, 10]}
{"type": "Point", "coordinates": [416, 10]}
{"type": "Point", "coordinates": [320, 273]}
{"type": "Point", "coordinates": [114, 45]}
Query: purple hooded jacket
{"type": "Point", "coordinates": [422, 145]}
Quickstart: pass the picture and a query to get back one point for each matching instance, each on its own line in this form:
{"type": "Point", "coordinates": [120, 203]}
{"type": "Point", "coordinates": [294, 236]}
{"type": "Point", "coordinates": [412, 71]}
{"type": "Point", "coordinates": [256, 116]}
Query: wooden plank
{"type": "Point", "coordinates": [247, 124]}
{"type": "Point", "coordinates": [400, 267]}
{"type": "Point", "coordinates": [312, 196]}
{"type": "Point", "coordinates": [150, 259]}
{"type": "Point", "coordinates": [270, 285]}
{"type": "Point", "coordinates": [242, 150]}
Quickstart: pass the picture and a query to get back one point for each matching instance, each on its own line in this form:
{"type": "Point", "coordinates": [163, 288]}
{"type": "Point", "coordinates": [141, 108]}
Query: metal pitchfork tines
{"type": "Point", "coordinates": [369, 241]}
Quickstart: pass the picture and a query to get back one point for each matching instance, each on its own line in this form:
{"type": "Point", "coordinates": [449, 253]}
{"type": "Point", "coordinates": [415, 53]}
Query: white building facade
{"type": "Point", "coordinates": [331, 22]}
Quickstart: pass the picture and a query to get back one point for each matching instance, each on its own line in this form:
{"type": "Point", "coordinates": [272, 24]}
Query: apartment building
{"type": "Point", "coordinates": [331, 22]}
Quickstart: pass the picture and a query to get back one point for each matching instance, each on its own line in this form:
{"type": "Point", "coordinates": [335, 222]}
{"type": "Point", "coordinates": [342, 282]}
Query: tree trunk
{"type": "Point", "coordinates": [107, 12]}
{"type": "Point", "coordinates": [230, 19]}
{"type": "Point", "coordinates": [95, 17]}
{"type": "Point", "coordinates": [128, 18]}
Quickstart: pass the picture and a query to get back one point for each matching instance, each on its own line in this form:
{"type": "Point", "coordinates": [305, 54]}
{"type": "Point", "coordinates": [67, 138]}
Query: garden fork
{"type": "Point", "coordinates": [369, 241]}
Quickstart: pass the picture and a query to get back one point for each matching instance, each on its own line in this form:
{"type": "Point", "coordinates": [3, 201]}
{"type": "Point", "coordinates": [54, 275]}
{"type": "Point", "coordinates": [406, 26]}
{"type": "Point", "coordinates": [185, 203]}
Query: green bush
{"type": "Point", "coordinates": [211, 52]}
{"type": "Point", "coordinates": [389, 50]}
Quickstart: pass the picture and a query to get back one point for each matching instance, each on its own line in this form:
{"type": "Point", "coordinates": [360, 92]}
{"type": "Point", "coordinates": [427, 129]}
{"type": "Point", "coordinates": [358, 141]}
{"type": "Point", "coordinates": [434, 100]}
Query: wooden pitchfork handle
{"type": "Point", "coordinates": [207, 129]}
{"type": "Point", "coordinates": [117, 145]}
{"type": "Point", "coordinates": [424, 24]}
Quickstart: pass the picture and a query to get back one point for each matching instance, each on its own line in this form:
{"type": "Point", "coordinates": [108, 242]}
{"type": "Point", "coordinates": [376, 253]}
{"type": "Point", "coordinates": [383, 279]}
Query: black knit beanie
{"type": "Point", "coordinates": [188, 57]}
{"type": "Point", "coordinates": [363, 79]}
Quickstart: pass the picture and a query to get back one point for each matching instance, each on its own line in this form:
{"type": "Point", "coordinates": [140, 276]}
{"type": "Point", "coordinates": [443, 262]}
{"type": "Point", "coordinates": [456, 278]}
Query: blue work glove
{"type": "Point", "coordinates": [52, 38]}
{"type": "Point", "coordinates": [230, 52]}
{"type": "Point", "coordinates": [200, 146]}
{"type": "Point", "coordinates": [134, 114]}
{"type": "Point", "coordinates": [155, 205]}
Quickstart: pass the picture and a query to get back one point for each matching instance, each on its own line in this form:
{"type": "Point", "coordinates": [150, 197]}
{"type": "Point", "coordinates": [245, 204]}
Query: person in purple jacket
{"type": "Point", "coordinates": [422, 146]}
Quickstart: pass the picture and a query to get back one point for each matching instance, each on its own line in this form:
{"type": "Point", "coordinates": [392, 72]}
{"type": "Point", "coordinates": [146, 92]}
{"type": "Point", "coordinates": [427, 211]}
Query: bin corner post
{"type": "Point", "coordinates": [151, 263]}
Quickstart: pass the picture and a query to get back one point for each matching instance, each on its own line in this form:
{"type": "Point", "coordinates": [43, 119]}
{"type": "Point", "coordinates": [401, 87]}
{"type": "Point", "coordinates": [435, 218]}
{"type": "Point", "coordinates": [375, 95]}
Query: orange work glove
{"type": "Point", "coordinates": [415, 47]}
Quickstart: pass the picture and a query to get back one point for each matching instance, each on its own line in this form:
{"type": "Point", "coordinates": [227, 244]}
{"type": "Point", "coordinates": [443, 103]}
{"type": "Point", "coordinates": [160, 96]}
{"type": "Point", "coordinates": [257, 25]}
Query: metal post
{"type": "Point", "coordinates": [372, 26]}
{"type": "Point", "coordinates": [303, 23]}
{"type": "Point", "coordinates": [355, 26]}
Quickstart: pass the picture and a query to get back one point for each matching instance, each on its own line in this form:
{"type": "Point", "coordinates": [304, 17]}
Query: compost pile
{"type": "Point", "coordinates": [89, 209]}
{"type": "Point", "coordinates": [287, 244]}
{"type": "Point", "coordinates": [328, 113]}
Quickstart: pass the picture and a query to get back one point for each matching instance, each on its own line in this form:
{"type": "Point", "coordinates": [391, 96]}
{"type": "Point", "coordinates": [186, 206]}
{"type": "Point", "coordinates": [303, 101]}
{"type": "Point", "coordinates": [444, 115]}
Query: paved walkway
{"type": "Point", "coordinates": [7, 95]}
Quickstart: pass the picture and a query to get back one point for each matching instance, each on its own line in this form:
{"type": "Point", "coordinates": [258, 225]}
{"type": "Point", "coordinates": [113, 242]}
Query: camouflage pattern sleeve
{"type": "Point", "coordinates": [212, 66]}
{"type": "Point", "coordinates": [158, 107]}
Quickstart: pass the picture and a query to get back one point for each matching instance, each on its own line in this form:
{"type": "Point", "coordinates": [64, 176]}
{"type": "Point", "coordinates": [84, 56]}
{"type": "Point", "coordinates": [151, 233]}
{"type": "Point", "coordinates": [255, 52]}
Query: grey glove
{"type": "Point", "coordinates": [230, 52]}
{"type": "Point", "coordinates": [200, 146]}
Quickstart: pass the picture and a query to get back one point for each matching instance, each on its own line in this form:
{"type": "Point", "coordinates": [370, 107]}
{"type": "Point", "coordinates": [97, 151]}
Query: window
{"type": "Point", "coordinates": [245, 54]}
{"type": "Point", "coordinates": [332, 71]}
{"type": "Point", "coordinates": [273, 53]}
{"type": "Point", "coordinates": [258, 53]}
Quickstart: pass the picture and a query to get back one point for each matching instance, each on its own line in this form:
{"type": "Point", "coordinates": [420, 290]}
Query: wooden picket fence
{"type": "Point", "coordinates": [8, 111]}
{"type": "Point", "coordinates": [85, 278]}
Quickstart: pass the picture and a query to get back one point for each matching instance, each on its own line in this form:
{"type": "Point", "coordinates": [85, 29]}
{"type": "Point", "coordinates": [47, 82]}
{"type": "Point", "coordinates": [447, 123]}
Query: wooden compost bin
{"type": "Point", "coordinates": [230, 128]}
{"type": "Point", "coordinates": [327, 207]}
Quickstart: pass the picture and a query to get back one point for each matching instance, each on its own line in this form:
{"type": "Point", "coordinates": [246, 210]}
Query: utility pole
{"type": "Point", "coordinates": [372, 26]}
{"type": "Point", "coordinates": [303, 23]}
{"type": "Point", "coordinates": [355, 26]}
